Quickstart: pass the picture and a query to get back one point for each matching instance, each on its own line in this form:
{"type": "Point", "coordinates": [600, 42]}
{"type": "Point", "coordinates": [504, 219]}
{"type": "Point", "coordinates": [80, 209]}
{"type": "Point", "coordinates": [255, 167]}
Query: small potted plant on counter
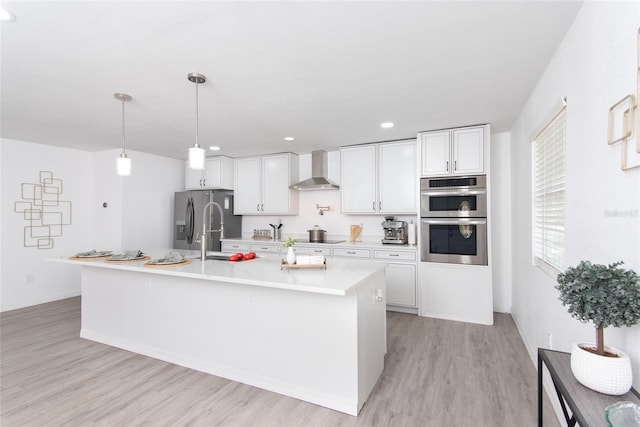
{"type": "Point", "coordinates": [606, 296]}
{"type": "Point", "coordinates": [288, 244]}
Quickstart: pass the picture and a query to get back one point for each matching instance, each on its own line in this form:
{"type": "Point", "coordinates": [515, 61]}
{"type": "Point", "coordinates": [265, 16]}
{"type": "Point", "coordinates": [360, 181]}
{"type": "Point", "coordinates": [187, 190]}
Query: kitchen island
{"type": "Point", "coordinates": [316, 335]}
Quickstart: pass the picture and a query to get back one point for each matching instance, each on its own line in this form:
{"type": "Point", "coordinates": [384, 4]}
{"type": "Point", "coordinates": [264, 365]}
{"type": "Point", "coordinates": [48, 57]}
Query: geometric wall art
{"type": "Point", "coordinates": [45, 214]}
{"type": "Point", "coordinates": [624, 117]}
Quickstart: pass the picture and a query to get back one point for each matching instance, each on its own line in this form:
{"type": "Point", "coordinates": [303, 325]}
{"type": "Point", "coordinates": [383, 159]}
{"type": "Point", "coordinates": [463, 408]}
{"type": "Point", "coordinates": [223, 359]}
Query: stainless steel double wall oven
{"type": "Point", "coordinates": [453, 214]}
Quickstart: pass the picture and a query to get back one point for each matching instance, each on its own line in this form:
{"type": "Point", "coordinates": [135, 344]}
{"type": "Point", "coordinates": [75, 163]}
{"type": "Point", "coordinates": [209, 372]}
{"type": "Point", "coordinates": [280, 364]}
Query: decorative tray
{"type": "Point", "coordinates": [284, 265]}
{"type": "Point", "coordinates": [261, 238]}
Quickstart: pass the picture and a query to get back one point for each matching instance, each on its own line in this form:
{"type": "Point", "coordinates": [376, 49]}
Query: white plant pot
{"type": "Point", "coordinates": [608, 375]}
{"type": "Point", "coordinates": [291, 256]}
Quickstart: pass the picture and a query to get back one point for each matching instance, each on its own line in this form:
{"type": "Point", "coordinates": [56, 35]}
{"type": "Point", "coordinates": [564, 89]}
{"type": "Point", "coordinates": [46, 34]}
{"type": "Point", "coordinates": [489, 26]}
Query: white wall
{"type": "Point", "coordinates": [22, 163]}
{"type": "Point", "coordinates": [139, 214]}
{"type": "Point", "coordinates": [595, 66]}
{"type": "Point", "coordinates": [501, 221]}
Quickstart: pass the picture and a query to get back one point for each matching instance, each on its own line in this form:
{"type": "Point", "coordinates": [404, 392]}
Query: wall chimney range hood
{"type": "Point", "coordinates": [318, 180]}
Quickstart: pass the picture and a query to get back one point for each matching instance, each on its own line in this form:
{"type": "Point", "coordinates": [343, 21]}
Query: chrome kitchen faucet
{"type": "Point", "coordinates": [203, 238]}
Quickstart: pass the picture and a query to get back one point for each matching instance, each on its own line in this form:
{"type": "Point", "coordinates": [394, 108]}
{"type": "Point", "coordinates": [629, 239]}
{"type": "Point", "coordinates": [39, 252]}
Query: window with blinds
{"type": "Point", "coordinates": [549, 193]}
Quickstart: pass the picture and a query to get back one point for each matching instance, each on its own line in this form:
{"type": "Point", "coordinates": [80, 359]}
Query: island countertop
{"type": "Point", "coordinates": [312, 334]}
{"type": "Point", "coordinates": [339, 278]}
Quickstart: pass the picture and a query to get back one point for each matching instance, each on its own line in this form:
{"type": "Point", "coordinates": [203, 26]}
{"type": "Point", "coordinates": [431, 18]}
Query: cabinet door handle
{"type": "Point", "coordinates": [262, 207]}
{"type": "Point", "coordinates": [380, 206]}
{"type": "Point", "coordinates": [351, 253]}
{"type": "Point", "coordinates": [394, 254]}
{"type": "Point", "coordinates": [447, 165]}
{"type": "Point", "coordinates": [258, 207]}
{"type": "Point", "coordinates": [455, 165]}
{"type": "Point", "coordinates": [373, 205]}
{"type": "Point", "coordinates": [204, 182]}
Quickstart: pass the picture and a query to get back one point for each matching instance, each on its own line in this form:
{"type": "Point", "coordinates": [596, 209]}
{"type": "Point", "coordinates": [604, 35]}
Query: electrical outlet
{"type": "Point", "coordinates": [28, 279]}
{"type": "Point", "coordinates": [550, 339]}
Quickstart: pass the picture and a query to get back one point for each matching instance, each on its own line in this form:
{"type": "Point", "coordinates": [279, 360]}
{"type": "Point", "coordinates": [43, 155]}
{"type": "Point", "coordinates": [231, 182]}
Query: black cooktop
{"type": "Point", "coordinates": [324, 241]}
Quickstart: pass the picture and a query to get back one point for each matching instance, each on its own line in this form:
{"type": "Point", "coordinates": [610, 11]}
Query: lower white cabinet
{"type": "Point", "coordinates": [313, 250]}
{"type": "Point", "coordinates": [235, 247]}
{"type": "Point", "coordinates": [265, 247]}
{"type": "Point", "coordinates": [401, 284]}
{"type": "Point", "coordinates": [400, 276]}
{"type": "Point", "coordinates": [351, 253]}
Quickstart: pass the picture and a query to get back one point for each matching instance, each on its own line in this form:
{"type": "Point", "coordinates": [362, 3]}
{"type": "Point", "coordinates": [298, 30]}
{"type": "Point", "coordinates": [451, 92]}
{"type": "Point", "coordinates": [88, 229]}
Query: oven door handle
{"type": "Point", "coordinates": [453, 193]}
{"type": "Point", "coordinates": [456, 221]}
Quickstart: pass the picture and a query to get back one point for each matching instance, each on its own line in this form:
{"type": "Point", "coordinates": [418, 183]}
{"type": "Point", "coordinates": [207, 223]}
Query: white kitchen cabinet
{"type": "Point", "coordinates": [400, 276]}
{"type": "Point", "coordinates": [273, 248]}
{"type": "Point", "coordinates": [378, 178]}
{"type": "Point", "coordinates": [352, 253]}
{"type": "Point", "coordinates": [218, 174]}
{"type": "Point", "coordinates": [397, 177]}
{"type": "Point", "coordinates": [312, 250]}
{"type": "Point", "coordinates": [459, 151]}
{"type": "Point", "coordinates": [401, 284]}
{"type": "Point", "coordinates": [234, 246]}
{"type": "Point", "coordinates": [262, 185]}
{"type": "Point", "coordinates": [358, 179]}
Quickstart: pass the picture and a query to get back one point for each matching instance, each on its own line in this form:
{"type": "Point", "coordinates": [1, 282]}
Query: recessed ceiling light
{"type": "Point", "coordinates": [289, 138]}
{"type": "Point", "coordinates": [386, 125]}
{"type": "Point", "coordinates": [214, 148]}
{"type": "Point", "coordinates": [6, 16]}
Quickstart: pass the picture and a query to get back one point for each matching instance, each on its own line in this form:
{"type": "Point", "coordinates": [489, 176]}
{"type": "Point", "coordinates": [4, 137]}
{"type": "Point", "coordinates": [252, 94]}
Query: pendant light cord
{"type": "Point", "coordinates": [197, 83]}
{"type": "Point", "coordinates": [123, 129]}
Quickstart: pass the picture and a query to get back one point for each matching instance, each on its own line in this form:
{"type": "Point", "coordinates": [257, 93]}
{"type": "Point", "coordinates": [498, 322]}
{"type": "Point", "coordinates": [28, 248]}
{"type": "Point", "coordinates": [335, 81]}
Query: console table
{"type": "Point", "coordinates": [587, 406]}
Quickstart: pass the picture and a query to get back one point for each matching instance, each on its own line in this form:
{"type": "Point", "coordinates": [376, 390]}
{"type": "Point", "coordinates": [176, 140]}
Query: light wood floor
{"type": "Point", "coordinates": [437, 373]}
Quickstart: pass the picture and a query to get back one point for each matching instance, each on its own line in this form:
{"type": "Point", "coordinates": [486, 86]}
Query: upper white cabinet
{"type": "Point", "coordinates": [262, 185]}
{"type": "Point", "coordinates": [458, 151]}
{"type": "Point", "coordinates": [218, 174]}
{"type": "Point", "coordinates": [378, 178]}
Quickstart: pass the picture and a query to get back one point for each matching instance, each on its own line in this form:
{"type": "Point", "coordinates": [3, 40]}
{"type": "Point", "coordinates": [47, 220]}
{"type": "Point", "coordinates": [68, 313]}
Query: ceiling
{"type": "Point", "coordinates": [326, 73]}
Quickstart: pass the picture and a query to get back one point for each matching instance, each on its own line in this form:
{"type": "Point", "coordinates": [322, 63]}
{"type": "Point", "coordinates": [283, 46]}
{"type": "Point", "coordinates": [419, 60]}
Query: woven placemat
{"type": "Point", "coordinates": [179, 264]}
{"type": "Point", "coordinates": [93, 258]}
{"type": "Point", "coordinates": [123, 261]}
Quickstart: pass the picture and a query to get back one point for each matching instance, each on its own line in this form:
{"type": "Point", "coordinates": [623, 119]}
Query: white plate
{"type": "Point", "coordinates": [94, 255]}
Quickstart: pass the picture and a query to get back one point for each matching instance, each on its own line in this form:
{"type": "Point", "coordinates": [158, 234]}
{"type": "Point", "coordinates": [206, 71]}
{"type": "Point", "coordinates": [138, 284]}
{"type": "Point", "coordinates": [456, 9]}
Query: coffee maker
{"type": "Point", "coordinates": [395, 232]}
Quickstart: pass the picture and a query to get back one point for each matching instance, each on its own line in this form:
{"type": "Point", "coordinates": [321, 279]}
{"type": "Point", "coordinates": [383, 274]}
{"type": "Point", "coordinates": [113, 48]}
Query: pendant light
{"type": "Point", "coordinates": [196, 153]}
{"type": "Point", "coordinates": [123, 162]}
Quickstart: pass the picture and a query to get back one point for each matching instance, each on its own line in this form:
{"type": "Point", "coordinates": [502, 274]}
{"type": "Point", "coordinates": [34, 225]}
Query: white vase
{"type": "Point", "coordinates": [608, 375]}
{"type": "Point", "coordinates": [291, 256]}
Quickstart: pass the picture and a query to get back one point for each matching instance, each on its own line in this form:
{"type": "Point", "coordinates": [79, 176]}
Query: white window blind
{"type": "Point", "coordinates": [549, 193]}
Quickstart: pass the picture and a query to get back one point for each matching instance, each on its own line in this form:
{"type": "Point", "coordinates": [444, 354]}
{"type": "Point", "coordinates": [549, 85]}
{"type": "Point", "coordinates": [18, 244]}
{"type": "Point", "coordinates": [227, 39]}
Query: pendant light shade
{"type": "Point", "coordinates": [196, 157]}
{"type": "Point", "coordinates": [123, 162]}
{"type": "Point", "coordinates": [124, 165]}
{"type": "Point", "coordinates": [196, 153]}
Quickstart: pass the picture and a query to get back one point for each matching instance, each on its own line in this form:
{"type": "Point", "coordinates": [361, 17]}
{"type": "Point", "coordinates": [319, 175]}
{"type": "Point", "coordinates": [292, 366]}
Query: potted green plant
{"type": "Point", "coordinates": [288, 244]}
{"type": "Point", "coordinates": [606, 295]}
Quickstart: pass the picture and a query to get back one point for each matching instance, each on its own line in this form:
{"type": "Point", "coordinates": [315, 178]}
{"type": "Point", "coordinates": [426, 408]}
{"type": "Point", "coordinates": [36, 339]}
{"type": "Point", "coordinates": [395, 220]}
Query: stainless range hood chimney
{"type": "Point", "coordinates": [318, 180]}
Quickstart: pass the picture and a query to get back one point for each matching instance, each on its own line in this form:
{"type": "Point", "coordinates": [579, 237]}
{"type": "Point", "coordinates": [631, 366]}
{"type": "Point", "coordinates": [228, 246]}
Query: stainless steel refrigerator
{"type": "Point", "coordinates": [189, 206]}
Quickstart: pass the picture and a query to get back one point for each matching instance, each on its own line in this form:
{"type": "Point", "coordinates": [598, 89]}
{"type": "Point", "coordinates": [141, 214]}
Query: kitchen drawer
{"type": "Point", "coordinates": [352, 253]}
{"type": "Point", "coordinates": [395, 255]}
{"type": "Point", "coordinates": [235, 247]}
{"type": "Point", "coordinates": [313, 250]}
{"type": "Point", "coordinates": [261, 247]}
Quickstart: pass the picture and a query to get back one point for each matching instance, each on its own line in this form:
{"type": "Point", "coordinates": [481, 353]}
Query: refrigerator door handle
{"type": "Point", "coordinates": [189, 220]}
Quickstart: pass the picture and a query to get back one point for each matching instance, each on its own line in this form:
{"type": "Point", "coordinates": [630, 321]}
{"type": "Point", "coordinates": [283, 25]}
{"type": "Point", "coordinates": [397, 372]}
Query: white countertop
{"type": "Point", "coordinates": [341, 276]}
